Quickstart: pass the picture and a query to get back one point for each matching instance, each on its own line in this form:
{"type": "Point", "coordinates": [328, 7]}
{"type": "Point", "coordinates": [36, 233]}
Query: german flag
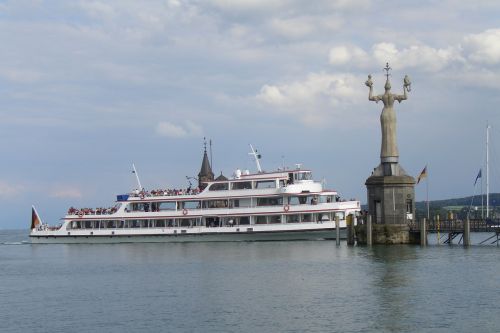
{"type": "Point", "coordinates": [422, 175]}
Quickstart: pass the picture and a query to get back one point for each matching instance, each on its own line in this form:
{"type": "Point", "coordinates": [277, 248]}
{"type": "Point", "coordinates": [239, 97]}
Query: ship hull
{"type": "Point", "coordinates": [160, 236]}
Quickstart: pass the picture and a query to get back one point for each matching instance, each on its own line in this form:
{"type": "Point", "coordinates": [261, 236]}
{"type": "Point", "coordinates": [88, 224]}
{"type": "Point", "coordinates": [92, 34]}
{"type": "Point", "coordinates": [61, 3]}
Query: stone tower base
{"type": "Point", "coordinates": [391, 195]}
{"type": "Point", "coordinates": [385, 234]}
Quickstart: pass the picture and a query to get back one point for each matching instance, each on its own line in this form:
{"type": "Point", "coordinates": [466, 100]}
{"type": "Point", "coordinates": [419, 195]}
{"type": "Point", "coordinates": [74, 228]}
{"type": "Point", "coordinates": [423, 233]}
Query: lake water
{"type": "Point", "coordinates": [311, 286]}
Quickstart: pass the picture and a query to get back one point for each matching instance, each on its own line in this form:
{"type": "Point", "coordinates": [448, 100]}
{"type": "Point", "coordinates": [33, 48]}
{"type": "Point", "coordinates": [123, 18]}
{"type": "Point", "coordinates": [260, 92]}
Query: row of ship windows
{"type": "Point", "coordinates": [226, 221]}
{"type": "Point", "coordinates": [246, 185]}
{"type": "Point", "coordinates": [259, 184]}
{"type": "Point", "coordinates": [231, 203]}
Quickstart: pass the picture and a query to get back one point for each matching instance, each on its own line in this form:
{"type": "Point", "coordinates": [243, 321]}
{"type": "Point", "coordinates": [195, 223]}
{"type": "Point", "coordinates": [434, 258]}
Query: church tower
{"type": "Point", "coordinates": [206, 174]}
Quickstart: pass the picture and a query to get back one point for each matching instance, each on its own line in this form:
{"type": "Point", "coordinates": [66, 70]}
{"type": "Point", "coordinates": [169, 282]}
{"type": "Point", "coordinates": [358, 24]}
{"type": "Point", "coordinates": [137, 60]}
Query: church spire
{"type": "Point", "coordinates": [206, 173]}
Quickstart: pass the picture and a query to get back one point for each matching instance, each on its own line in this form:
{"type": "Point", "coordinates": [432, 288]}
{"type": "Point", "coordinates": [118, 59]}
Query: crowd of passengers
{"type": "Point", "coordinates": [92, 211]}
{"type": "Point", "coordinates": [168, 192]}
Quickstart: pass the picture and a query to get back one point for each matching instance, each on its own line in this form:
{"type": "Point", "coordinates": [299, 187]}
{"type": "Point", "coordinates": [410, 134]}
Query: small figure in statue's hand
{"type": "Point", "coordinates": [369, 82]}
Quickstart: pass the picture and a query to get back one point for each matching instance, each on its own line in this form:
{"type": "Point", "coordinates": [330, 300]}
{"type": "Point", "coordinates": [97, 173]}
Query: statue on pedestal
{"type": "Point", "coordinates": [390, 190]}
{"type": "Point", "coordinates": [389, 150]}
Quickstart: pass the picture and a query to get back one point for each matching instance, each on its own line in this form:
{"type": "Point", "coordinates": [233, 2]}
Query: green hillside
{"type": "Point", "coordinates": [460, 206]}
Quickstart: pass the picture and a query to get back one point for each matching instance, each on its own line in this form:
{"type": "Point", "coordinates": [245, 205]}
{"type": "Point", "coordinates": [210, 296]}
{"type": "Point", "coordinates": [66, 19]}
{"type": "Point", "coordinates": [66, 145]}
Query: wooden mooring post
{"type": "Point", "coordinates": [466, 234]}
{"type": "Point", "coordinates": [423, 232]}
{"type": "Point", "coordinates": [369, 240]}
{"type": "Point", "coordinates": [351, 218]}
{"type": "Point", "coordinates": [337, 230]}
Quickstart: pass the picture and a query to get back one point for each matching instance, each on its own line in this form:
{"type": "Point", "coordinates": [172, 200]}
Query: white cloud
{"type": "Point", "coordinates": [483, 47]}
{"type": "Point", "coordinates": [292, 28]}
{"type": "Point", "coordinates": [344, 54]}
{"type": "Point", "coordinates": [426, 58]}
{"type": "Point", "coordinates": [420, 56]}
{"type": "Point", "coordinates": [9, 190]}
{"type": "Point", "coordinates": [98, 9]}
{"type": "Point", "coordinates": [189, 129]}
{"type": "Point", "coordinates": [247, 5]}
{"type": "Point", "coordinates": [272, 95]}
{"type": "Point", "coordinates": [318, 96]}
{"type": "Point", "coordinates": [301, 26]}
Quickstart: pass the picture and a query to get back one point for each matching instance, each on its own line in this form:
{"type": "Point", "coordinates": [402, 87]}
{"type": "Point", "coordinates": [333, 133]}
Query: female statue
{"type": "Point", "coordinates": [389, 151]}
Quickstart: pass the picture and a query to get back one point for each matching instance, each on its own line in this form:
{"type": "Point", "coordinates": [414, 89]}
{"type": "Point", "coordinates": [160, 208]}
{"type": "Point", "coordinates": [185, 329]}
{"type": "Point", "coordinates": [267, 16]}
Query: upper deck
{"type": "Point", "coordinates": [241, 185]}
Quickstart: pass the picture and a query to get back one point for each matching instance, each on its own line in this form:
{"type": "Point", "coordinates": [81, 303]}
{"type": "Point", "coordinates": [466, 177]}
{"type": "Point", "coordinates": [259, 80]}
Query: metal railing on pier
{"type": "Point", "coordinates": [457, 225]}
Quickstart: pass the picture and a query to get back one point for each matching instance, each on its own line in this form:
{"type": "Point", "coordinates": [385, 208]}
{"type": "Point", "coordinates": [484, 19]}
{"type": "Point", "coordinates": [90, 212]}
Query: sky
{"type": "Point", "coordinates": [89, 87]}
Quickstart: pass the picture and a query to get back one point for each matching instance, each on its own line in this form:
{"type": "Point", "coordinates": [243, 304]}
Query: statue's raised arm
{"type": "Point", "coordinates": [406, 88]}
{"type": "Point", "coordinates": [369, 84]}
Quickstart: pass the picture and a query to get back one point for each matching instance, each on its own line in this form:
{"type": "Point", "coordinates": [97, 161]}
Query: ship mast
{"type": "Point", "coordinates": [256, 157]}
{"type": "Point", "coordinates": [134, 171]}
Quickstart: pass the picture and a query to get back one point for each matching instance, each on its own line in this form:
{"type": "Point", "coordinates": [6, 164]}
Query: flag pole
{"type": "Point", "coordinates": [482, 199]}
{"type": "Point", "coordinates": [427, 193]}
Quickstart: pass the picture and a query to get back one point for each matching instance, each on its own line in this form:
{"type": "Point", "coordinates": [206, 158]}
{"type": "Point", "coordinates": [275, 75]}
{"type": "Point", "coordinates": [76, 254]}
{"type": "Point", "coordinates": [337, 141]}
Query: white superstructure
{"type": "Point", "coordinates": [281, 205]}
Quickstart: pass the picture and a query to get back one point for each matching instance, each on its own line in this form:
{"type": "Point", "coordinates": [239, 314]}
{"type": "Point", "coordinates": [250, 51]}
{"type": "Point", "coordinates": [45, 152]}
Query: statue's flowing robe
{"type": "Point", "coordinates": [388, 124]}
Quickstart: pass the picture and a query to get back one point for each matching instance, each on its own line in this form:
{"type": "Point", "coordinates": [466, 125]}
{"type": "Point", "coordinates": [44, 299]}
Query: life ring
{"type": "Point", "coordinates": [184, 211]}
{"type": "Point", "coordinates": [286, 207]}
{"type": "Point", "coordinates": [80, 214]}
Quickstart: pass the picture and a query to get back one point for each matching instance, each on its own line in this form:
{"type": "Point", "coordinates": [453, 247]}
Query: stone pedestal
{"type": "Point", "coordinates": [384, 234]}
{"type": "Point", "coordinates": [391, 202]}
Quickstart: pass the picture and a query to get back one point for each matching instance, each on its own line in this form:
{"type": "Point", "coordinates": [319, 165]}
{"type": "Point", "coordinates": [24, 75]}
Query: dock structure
{"type": "Point", "coordinates": [453, 228]}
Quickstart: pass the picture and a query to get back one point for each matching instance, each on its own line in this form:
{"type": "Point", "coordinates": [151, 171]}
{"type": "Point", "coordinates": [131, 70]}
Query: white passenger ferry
{"type": "Point", "coordinates": [283, 205]}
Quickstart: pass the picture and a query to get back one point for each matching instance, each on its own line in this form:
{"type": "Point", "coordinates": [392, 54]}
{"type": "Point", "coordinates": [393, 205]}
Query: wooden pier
{"type": "Point", "coordinates": [452, 229]}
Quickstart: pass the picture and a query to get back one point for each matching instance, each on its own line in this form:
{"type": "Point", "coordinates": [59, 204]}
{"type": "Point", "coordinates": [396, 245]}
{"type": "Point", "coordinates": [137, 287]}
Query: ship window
{"type": "Point", "coordinates": [325, 198]}
{"type": "Point", "coordinates": [242, 185]}
{"type": "Point", "coordinates": [186, 222]}
{"type": "Point", "coordinates": [341, 215]}
{"type": "Point", "coordinates": [169, 205]}
{"type": "Point", "coordinates": [275, 219]}
{"type": "Point", "coordinates": [229, 221]}
{"type": "Point", "coordinates": [303, 199]}
{"type": "Point", "coordinates": [107, 224]}
{"type": "Point", "coordinates": [260, 220]}
{"type": "Point", "coordinates": [219, 187]}
{"type": "Point", "coordinates": [272, 201]}
{"type": "Point", "coordinates": [307, 218]}
{"type": "Point", "coordinates": [323, 217]}
{"type": "Point", "coordinates": [292, 218]}
{"type": "Point", "coordinates": [303, 176]}
{"type": "Point", "coordinates": [190, 204]}
{"type": "Point", "coordinates": [159, 223]}
{"type": "Point", "coordinates": [140, 207]}
{"type": "Point", "coordinates": [265, 184]}
{"type": "Point", "coordinates": [215, 204]}
{"type": "Point", "coordinates": [245, 202]}
{"type": "Point", "coordinates": [138, 223]}
{"type": "Point", "coordinates": [244, 220]}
